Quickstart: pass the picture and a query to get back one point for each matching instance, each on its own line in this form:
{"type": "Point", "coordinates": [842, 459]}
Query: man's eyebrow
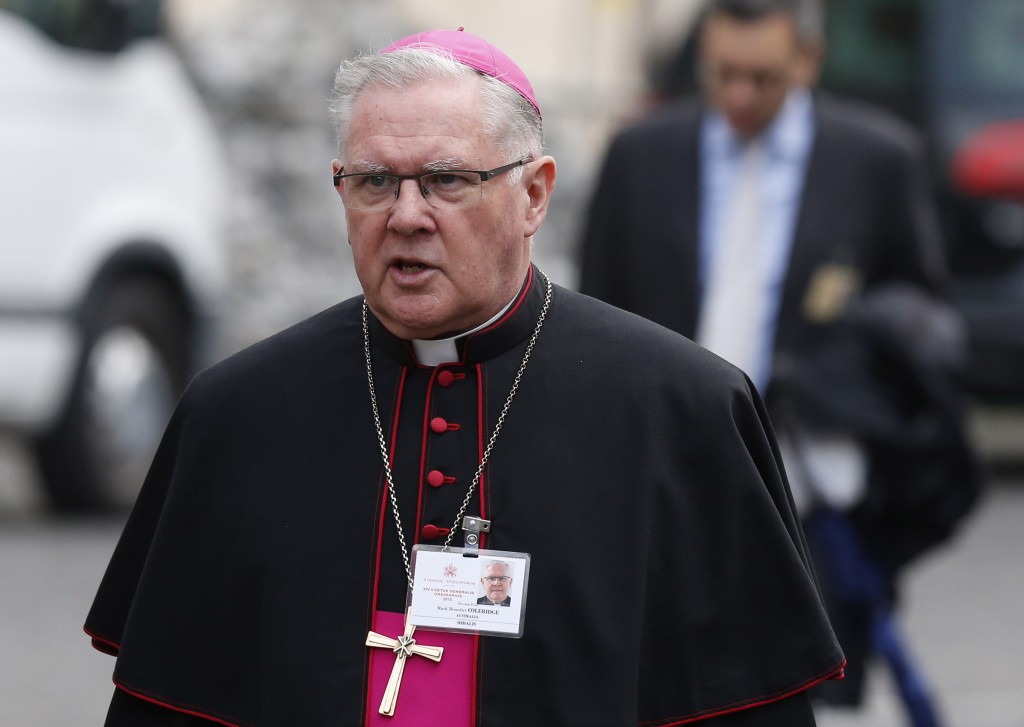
{"type": "Point", "coordinates": [365, 166]}
{"type": "Point", "coordinates": [440, 165]}
{"type": "Point", "coordinates": [362, 166]}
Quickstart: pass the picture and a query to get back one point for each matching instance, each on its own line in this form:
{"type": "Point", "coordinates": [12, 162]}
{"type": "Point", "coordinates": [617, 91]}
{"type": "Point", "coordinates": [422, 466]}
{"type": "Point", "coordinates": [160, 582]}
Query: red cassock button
{"type": "Point", "coordinates": [445, 378]}
{"type": "Point", "coordinates": [432, 532]}
{"type": "Point", "coordinates": [438, 425]}
{"type": "Point", "coordinates": [435, 478]}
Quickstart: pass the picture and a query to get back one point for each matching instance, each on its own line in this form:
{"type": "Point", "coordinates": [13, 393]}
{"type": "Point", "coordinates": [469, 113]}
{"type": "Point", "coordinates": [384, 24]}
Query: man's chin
{"type": "Point", "coordinates": [411, 322]}
{"type": "Point", "coordinates": [746, 128]}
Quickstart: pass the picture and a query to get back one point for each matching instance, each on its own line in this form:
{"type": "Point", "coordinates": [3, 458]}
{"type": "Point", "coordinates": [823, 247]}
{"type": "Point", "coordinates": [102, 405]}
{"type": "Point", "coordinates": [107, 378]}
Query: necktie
{"type": "Point", "coordinates": [732, 316]}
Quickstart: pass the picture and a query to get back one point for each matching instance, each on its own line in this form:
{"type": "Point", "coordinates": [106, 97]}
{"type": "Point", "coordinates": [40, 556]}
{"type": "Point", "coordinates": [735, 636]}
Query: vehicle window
{"type": "Point", "coordinates": [875, 52]}
{"type": "Point", "coordinates": [874, 45]}
{"type": "Point", "coordinates": [993, 61]}
{"type": "Point", "coordinates": [98, 25]}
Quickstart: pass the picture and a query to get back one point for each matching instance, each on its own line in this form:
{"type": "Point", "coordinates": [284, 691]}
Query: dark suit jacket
{"type": "Point", "coordinates": [865, 207]}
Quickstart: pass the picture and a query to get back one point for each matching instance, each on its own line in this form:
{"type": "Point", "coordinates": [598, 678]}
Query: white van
{"type": "Point", "coordinates": [111, 253]}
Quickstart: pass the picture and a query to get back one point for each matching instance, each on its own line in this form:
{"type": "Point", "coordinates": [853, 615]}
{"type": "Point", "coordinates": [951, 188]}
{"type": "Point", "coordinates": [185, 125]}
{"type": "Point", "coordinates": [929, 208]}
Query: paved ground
{"type": "Point", "coordinates": [963, 616]}
{"type": "Point", "coordinates": [964, 619]}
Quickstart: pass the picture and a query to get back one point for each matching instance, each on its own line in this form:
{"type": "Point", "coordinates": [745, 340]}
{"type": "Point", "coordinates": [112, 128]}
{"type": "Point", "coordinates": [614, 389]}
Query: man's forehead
{"type": "Point", "coordinates": [423, 127]}
{"type": "Point", "coordinates": [429, 102]}
{"type": "Point", "coordinates": [775, 32]}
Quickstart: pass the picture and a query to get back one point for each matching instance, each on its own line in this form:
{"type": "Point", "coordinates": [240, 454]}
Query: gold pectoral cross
{"type": "Point", "coordinates": [404, 646]}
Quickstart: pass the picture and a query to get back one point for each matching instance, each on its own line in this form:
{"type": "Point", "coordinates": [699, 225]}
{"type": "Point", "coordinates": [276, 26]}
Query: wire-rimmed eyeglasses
{"type": "Point", "coordinates": [444, 188]}
{"type": "Point", "coordinates": [495, 580]}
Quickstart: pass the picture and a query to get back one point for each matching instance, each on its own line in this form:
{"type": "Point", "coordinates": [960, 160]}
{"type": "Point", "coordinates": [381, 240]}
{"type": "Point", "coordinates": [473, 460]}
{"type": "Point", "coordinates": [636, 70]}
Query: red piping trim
{"type": "Point", "coordinates": [380, 541]}
{"type": "Point", "coordinates": [512, 309]}
{"type": "Point", "coordinates": [425, 439]}
{"type": "Point", "coordinates": [474, 690]}
{"type": "Point", "coordinates": [369, 677]}
{"type": "Point", "coordinates": [384, 500]}
{"type": "Point", "coordinates": [160, 702]}
{"type": "Point", "coordinates": [97, 639]}
{"type": "Point", "coordinates": [476, 685]}
{"type": "Point", "coordinates": [411, 351]}
{"type": "Point", "coordinates": [480, 406]}
{"type": "Point", "coordinates": [835, 672]}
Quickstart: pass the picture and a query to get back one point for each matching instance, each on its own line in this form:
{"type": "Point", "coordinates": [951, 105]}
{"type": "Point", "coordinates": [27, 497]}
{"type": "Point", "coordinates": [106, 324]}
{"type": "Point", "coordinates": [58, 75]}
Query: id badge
{"type": "Point", "coordinates": [830, 291]}
{"type": "Point", "coordinates": [469, 590]}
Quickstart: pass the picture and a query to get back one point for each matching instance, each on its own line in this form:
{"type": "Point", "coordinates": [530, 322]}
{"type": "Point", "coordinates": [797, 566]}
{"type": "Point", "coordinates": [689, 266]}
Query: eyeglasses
{"type": "Point", "coordinates": [762, 79]}
{"type": "Point", "coordinates": [494, 580]}
{"type": "Point", "coordinates": [446, 188]}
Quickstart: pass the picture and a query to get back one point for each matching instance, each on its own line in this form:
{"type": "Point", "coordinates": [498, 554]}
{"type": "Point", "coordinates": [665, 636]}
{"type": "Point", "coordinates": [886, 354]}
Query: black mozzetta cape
{"type": "Point", "coordinates": [669, 576]}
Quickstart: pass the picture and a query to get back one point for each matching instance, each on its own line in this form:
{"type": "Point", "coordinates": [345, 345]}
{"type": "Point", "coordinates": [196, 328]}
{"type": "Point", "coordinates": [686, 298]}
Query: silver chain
{"type": "Point", "coordinates": [487, 449]}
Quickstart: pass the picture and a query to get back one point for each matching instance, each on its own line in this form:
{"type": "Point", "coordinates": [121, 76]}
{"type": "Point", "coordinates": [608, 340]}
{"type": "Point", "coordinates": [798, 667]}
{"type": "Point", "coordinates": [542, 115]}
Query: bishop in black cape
{"type": "Point", "coordinates": [669, 576]}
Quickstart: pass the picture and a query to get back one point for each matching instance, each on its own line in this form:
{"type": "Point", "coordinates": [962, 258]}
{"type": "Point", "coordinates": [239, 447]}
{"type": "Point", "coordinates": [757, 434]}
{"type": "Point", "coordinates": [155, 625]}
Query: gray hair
{"type": "Point", "coordinates": [492, 563]}
{"type": "Point", "coordinates": [508, 118]}
{"type": "Point", "coordinates": [808, 15]}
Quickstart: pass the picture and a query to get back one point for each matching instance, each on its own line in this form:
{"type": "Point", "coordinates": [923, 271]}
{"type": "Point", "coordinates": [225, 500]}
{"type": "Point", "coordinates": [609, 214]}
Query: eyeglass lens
{"type": "Point", "coordinates": [440, 189]}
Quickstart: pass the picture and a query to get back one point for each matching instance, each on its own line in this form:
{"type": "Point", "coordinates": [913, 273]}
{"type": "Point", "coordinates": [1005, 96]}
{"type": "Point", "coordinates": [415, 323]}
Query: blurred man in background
{"type": "Point", "coordinates": [757, 221]}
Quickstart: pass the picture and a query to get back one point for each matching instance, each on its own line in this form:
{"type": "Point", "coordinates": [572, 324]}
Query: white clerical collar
{"type": "Point", "coordinates": [436, 352]}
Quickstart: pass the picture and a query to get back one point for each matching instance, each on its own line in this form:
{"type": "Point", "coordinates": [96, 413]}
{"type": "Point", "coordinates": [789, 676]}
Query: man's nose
{"type": "Point", "coordinates": [411, 212]}
{"type": "Point", "coordinates": [740, 91]}
{"type": "Point", "coordinates": [416, 194]}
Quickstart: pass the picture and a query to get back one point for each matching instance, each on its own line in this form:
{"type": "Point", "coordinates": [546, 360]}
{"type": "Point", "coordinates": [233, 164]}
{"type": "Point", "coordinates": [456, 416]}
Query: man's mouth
{"type": "Point", "coordinates": [408, 267]}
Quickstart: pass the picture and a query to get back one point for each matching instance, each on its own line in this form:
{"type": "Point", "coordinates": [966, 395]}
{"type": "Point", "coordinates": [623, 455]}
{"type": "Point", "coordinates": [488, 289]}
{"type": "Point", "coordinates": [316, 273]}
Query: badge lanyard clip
{"type": "Point", "coordinates": [473, 526]}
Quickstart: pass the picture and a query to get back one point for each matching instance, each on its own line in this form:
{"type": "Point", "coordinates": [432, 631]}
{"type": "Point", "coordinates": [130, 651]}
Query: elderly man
{"type": "Point", "coordinates": [496, 580]}
{"type": "Point", "coordinates": [462, 407]}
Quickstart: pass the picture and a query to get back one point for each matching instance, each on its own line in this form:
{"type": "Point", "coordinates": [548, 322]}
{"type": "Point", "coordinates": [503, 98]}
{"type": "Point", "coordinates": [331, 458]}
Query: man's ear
{"type": "Point", "coordinates": [335, 166]}
{"type": "Point", "coordinates": [812, 54]}
{"type": "Point", "coordinates": [539, 178]}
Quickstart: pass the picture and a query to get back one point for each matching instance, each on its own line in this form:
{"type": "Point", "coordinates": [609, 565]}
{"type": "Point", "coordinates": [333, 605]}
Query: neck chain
{"type": "Point", "coordinates": [487, 449]}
